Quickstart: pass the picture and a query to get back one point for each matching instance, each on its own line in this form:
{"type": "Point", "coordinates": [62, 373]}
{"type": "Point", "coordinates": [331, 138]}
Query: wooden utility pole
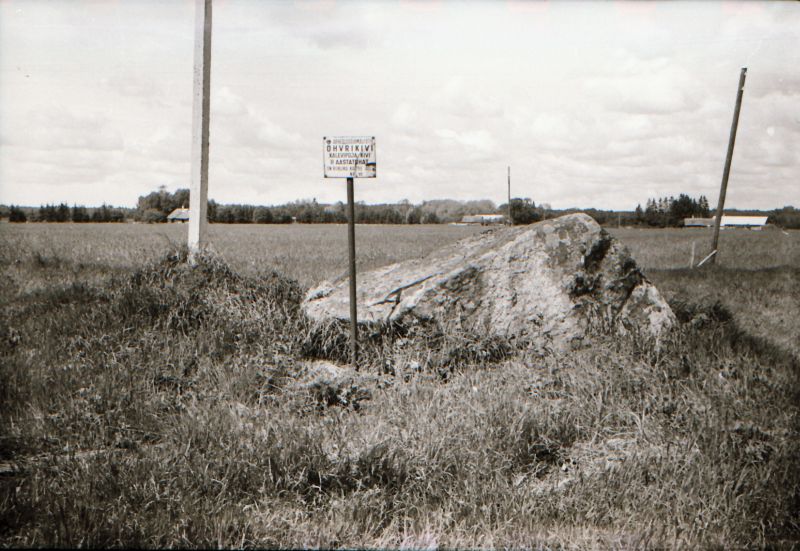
{"type": "Point", "coordinates": [510, 222]}
{"type": "Point", "coordinates": [198, 194]}
{"type": "Point", "coordinates": [726, 172]}
{"type": "Point", "coordinates": [351, 248]}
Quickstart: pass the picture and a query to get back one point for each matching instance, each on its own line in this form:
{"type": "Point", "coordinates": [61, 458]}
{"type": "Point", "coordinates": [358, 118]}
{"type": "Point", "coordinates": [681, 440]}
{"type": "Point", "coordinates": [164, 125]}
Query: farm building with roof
{"type": "Point", "coordinates": [698, 222]}
{"type": "Point", "coordinates": [483, 219]}
{"type": "Point", "coordinates": [178, 215]}
{"type": "Point", "coordinates": [751, 222]}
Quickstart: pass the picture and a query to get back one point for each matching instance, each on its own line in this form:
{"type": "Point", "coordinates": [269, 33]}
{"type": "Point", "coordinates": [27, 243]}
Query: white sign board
{"type": "Point", "coordinates": [349, 156]}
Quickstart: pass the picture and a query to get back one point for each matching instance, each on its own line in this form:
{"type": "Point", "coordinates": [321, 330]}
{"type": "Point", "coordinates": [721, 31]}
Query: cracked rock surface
{"type": "Point", "coordinates": [547, 283]}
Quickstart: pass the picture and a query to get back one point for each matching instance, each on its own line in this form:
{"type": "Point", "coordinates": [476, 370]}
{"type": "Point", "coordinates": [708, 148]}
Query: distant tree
{"type": "Point", "coordinates": [523, 211]}
{"type": "Point", "coordinates": [53, 213]}
{"type": "Point", "coordinates": [446, 210]}
{"type": "Point", "coordinates": [669, 211]}
{"type": "Point", "coordinates": [334, 214]}
{"type": "Point", "coordinates": [153, 216]}
{"type": "Point", "coordinates": [601, 217]}
{"type": "Point", "coordinates": [62, 213]}
{"type": "Point", "coordinates": [16, 214]}
{"type": "Point", "coordinates": [224, 214]}
{"type": "Point", "coordinates": [80, 214]}
{"type": "Point", "coordinates": [244, 214]}
{"type": "Point", "coordinates": [788, 218]}
{"type": "Point", "coordinates": [392, 216]}
{"type": "Point", "coordinates": [480, 206]}
{"type": "Point", "coordinates": [705, 211]}
{"type": "Point", "coordinates": [151, 201]}
{"type": "Point", "coordinates": [232, 214]}
{"type": "Point", "coordinates": [339, 211]}
{"type": "Point", "coordinates": [430, 218]}
{"type": "Point", "coordinates": [101, 214]}
{"type": "Point", "coordinates": [281, 216]}
{"type": "Point", "coordinates": [308, 212]}
{"type": "Point", "coordinates": [681, 208]}
{"type": "Point", "coordinates": [262, 215]}
{"type": "Point", "coordinates": [651, 215]}
{"type": "Point", "coordinates": [179, 199]}
{"type": "Point", "coordinates": [414, 216]}
{"type": "Point", "coordinates": [117, 215]}
{"type": "Point", "coordinates": [404, 207]}
{"type": "Point", "coordinates": [378, 214]}
{"type": "Point", "coordinates": [162, 200]}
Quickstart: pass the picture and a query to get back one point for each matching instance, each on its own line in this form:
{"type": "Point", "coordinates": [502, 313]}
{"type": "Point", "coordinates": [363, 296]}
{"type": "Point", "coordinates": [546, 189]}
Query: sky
{"type": "Point", "coordinates": [591, 104]}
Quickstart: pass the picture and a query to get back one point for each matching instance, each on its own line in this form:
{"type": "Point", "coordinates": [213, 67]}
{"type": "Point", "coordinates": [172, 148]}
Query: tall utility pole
{"type": "Point", "coordinates": [726, 172]}
{"type": "Point", "coordinates": [510, 222]}
{"type": "Point", "coordinates": [198, 194]}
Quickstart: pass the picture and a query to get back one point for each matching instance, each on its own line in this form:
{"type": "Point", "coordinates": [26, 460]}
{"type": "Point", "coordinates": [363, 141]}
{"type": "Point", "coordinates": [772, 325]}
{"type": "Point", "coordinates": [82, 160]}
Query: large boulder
{"type": "Point", "coordinates": [548, 283]}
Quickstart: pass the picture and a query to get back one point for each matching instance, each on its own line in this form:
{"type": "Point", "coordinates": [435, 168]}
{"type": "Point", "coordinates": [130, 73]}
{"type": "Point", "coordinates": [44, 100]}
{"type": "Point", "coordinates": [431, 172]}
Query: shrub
{"type": "Point", "coordinates": [16, 214]}
{"type": "Point", "coordinates": [153, 216]}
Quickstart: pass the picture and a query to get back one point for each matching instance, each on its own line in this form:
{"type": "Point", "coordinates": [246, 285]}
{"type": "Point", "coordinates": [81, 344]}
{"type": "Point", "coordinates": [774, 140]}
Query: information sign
{"type": "Point", "coordinates": [349, 156]}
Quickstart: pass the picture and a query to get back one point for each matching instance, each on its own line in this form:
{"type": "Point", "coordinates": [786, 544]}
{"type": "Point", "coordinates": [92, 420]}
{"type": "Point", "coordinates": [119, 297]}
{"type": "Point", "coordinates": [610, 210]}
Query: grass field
{"type": "Point", "coordinates": [146, 404]}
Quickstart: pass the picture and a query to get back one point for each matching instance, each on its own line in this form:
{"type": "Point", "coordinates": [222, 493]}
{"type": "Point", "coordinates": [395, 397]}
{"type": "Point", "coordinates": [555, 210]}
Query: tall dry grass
{"type": "Point", "coordinates": [739, 249]}
{"type": "Point", "coordinates": [307, 253]}
{"type": "Point", "coordinates": [153, 405]}
{"type": "Point", "coordinates": [757, 274]}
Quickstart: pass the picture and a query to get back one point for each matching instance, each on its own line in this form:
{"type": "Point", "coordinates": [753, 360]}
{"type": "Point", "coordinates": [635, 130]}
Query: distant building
{"type": "Point", "coordinates": [178, 215]}
{"type": "Point", "coordinates": [698, 222]}
{"type": "Point", "coordinates": [751, 222]}
{"type": "Point", "coordinates": [484, 219]}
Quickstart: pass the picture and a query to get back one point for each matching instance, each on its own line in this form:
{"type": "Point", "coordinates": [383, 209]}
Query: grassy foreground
{"type": "Point", "coordinates": [147, 404]}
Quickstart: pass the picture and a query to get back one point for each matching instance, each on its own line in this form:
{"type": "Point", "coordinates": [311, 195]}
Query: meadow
{"type": "Point", "coordinates": [148, 404]}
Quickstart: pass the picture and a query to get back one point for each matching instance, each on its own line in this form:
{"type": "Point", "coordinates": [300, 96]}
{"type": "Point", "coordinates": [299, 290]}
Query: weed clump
{"type": "Point", "coordinates": [700, 313]}
{"type": "Point", "coordinates": [439, 345]}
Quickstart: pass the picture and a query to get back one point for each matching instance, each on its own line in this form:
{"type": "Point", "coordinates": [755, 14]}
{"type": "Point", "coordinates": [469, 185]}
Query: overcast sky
{"type": "Point", "coordinates": [592, 104]}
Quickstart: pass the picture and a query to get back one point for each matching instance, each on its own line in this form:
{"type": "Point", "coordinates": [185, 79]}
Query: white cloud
{"type": "Point", "coordinates": [405, 116]}
{"type": "Point", "coordinates": [238, 124]}
{"type": "Point", "coordinates": [55, 129]}
{"type": "Point", "coordinates": [464, 100]}
{"type": "Point", "coordinates": [651, 87]}
{"type": "Point", "coordinates": [477, 141]}
{"type": "Point", "coordinates": [591, 104]}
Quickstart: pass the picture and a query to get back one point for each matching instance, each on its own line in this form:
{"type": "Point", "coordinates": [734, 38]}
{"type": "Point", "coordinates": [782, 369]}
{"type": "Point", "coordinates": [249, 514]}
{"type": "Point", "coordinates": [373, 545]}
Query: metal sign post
{"type": "Point", "coordinates": [351, 254]}
{"type": "Point", "coordinates": [350, 157]}
{"type": "Point", "coordinates": [727, 170]}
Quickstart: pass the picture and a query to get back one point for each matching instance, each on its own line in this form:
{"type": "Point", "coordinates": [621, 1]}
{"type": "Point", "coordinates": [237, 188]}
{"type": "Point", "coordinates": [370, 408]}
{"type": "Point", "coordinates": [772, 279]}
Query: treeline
{"type": "Point", "coordinates": [156, 207]}
{"type": "Point", "coordinates": [312, 212]}
{"type": "Point", "coordinates": [670, 212]}
{"type": "Point", "coordinates": [64, 213]}
{"type": "Point", "coordinates": [788, 218]}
